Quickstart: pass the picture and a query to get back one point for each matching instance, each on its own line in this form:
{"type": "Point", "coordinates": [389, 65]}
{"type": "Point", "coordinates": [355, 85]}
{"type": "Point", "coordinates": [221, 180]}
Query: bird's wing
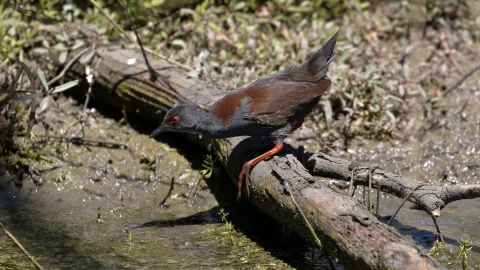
{"type": "Point", "coordinates": [277, 101]}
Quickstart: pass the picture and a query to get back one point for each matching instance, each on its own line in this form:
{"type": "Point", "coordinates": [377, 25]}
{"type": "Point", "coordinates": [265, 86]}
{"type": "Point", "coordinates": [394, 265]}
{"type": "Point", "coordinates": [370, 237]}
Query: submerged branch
{"type": "Point", "coordinates": [429, 198]}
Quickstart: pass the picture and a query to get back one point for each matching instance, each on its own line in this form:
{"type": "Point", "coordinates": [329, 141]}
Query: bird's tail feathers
{"type": "Point", "coordinates": [318, 63]}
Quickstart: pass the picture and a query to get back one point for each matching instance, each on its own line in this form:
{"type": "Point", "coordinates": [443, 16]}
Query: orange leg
{"type": "Point", "coordinates": [247, 167]}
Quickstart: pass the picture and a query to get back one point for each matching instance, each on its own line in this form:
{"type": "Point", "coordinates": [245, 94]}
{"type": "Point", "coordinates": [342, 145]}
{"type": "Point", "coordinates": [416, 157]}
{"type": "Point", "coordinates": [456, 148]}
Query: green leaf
{"type": "Point", "coordinates": [64, 87]}
{"type": "Point", "coordinates": [60, 47]}
{"type": "Point", "coordinates": [239, 5]}
{"type": "Point", "coordinates": [153, 3]}
{"type": "Point", "coordinates": [42, 79]}
{"type": "Point", "coordinates": [53, 101]}
{"type": "Point", "coordinates": [179, 42]}
{"type": "Point", "coordinates": [40, 50]}
{"type": "Point", "coordinates": [60, 37]}
{"type": "Point", "coordinates": [45, 43]}
{"type": "Point", "coordinates": [3, 97]}
{"type": "Point", "coordinates": [29, 73]}
{"type": "Point", "coordinates": [44, 104]}
{"type": "Point", "coordinates": [27, 97]}
{"type": "Point", "coordinates": [299, 9]}
{"type": "Point", "coordinates": [87, 56]}
{"type": "Point", "coordinates": [14, 22]}
{"type": "Point", "coordinates": [78, 44]}
{"type": "Point", "coordinates": [62, 58]}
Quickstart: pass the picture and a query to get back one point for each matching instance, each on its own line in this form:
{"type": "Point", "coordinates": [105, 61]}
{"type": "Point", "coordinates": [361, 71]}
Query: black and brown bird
{"type": "Point", "coordinates": [272, 106]}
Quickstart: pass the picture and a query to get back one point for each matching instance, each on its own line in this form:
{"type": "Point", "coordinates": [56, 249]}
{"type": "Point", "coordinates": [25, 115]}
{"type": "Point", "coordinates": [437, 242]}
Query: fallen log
{"type": "Point", "coordinates": [281, 186]}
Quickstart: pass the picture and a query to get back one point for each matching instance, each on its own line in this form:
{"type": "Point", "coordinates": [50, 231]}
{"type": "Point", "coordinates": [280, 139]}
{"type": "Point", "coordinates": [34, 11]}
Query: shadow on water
{"type": "Point", "coordinates": [425, 238]}
{"type": "Point", "coordinates": [57, 221]}
{"type": "Point", "coordinates": [258, 227]}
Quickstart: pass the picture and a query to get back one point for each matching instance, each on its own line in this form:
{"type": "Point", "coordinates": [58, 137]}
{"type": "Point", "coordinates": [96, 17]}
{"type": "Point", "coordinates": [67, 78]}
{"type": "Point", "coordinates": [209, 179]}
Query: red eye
{"type": "Point", "coordinates": [174, 120]}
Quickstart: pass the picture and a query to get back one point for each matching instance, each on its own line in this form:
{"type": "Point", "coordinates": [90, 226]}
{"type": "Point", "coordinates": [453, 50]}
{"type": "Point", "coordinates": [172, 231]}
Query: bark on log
{"type": "Point", "coordinates": [347, 230]}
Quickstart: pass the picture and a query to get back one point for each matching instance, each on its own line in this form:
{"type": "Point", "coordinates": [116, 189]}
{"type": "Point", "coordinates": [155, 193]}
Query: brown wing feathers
{"type": "Point", "coordinates": [290, 91]}
{"type": "Point", "coordinates": [289, 98]}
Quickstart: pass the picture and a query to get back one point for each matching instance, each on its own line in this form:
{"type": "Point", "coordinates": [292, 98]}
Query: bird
{"type": "Point", "coordinates": [273, 106]}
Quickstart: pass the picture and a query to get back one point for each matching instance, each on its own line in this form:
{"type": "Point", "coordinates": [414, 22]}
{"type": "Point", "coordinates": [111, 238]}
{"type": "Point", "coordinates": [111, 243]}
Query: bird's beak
{"type": "Point", "coordinates": [162, 128]}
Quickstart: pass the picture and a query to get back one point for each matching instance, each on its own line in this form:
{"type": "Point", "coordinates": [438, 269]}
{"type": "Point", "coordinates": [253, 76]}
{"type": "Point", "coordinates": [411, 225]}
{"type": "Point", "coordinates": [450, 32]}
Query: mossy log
{"type": "Point", "coordinates": [281, 186]}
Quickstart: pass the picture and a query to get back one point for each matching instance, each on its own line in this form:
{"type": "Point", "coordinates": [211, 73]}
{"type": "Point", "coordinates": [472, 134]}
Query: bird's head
{"type": "Point", "coordinates": [181, 118]}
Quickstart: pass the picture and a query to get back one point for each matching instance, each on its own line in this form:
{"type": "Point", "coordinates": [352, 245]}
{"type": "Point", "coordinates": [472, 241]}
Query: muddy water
{"type": "Point", "coordinates": [97, 206]}
{"type": "Point", "coordinates": [442, 148]}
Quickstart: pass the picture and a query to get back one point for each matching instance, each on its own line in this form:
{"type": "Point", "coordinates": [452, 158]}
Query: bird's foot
{"type": "Point", "coordinates": [247, 167]}
{"type": "Point", "coordinates": [244, 178]}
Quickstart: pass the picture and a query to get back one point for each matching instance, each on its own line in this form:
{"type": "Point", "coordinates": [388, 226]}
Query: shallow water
{"type": "Point", "coordinates": [57, 221]}
{"type": "Point", "coordinates": [442, 149]}
{"type": "Point", "coordinates": [92, 198]}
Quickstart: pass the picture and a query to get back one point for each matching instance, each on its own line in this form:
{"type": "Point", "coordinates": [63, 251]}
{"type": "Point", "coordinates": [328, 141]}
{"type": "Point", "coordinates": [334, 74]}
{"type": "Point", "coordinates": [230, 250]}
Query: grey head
{"type": "Point", "coordinates": [185, 118]}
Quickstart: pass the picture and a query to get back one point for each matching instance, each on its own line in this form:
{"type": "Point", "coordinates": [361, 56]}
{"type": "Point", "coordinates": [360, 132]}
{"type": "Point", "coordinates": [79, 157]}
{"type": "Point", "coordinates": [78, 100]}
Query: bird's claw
{"type": "Point", "coordinates": [244, 178]}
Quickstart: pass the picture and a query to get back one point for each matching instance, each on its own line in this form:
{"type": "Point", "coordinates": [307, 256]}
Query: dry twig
{"type": "Point", "coordinates": [37, 265]}
{"type": "Point", "coordinates": [169, 192]}
{"type": "Point", "coordinates": [460, 81]}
